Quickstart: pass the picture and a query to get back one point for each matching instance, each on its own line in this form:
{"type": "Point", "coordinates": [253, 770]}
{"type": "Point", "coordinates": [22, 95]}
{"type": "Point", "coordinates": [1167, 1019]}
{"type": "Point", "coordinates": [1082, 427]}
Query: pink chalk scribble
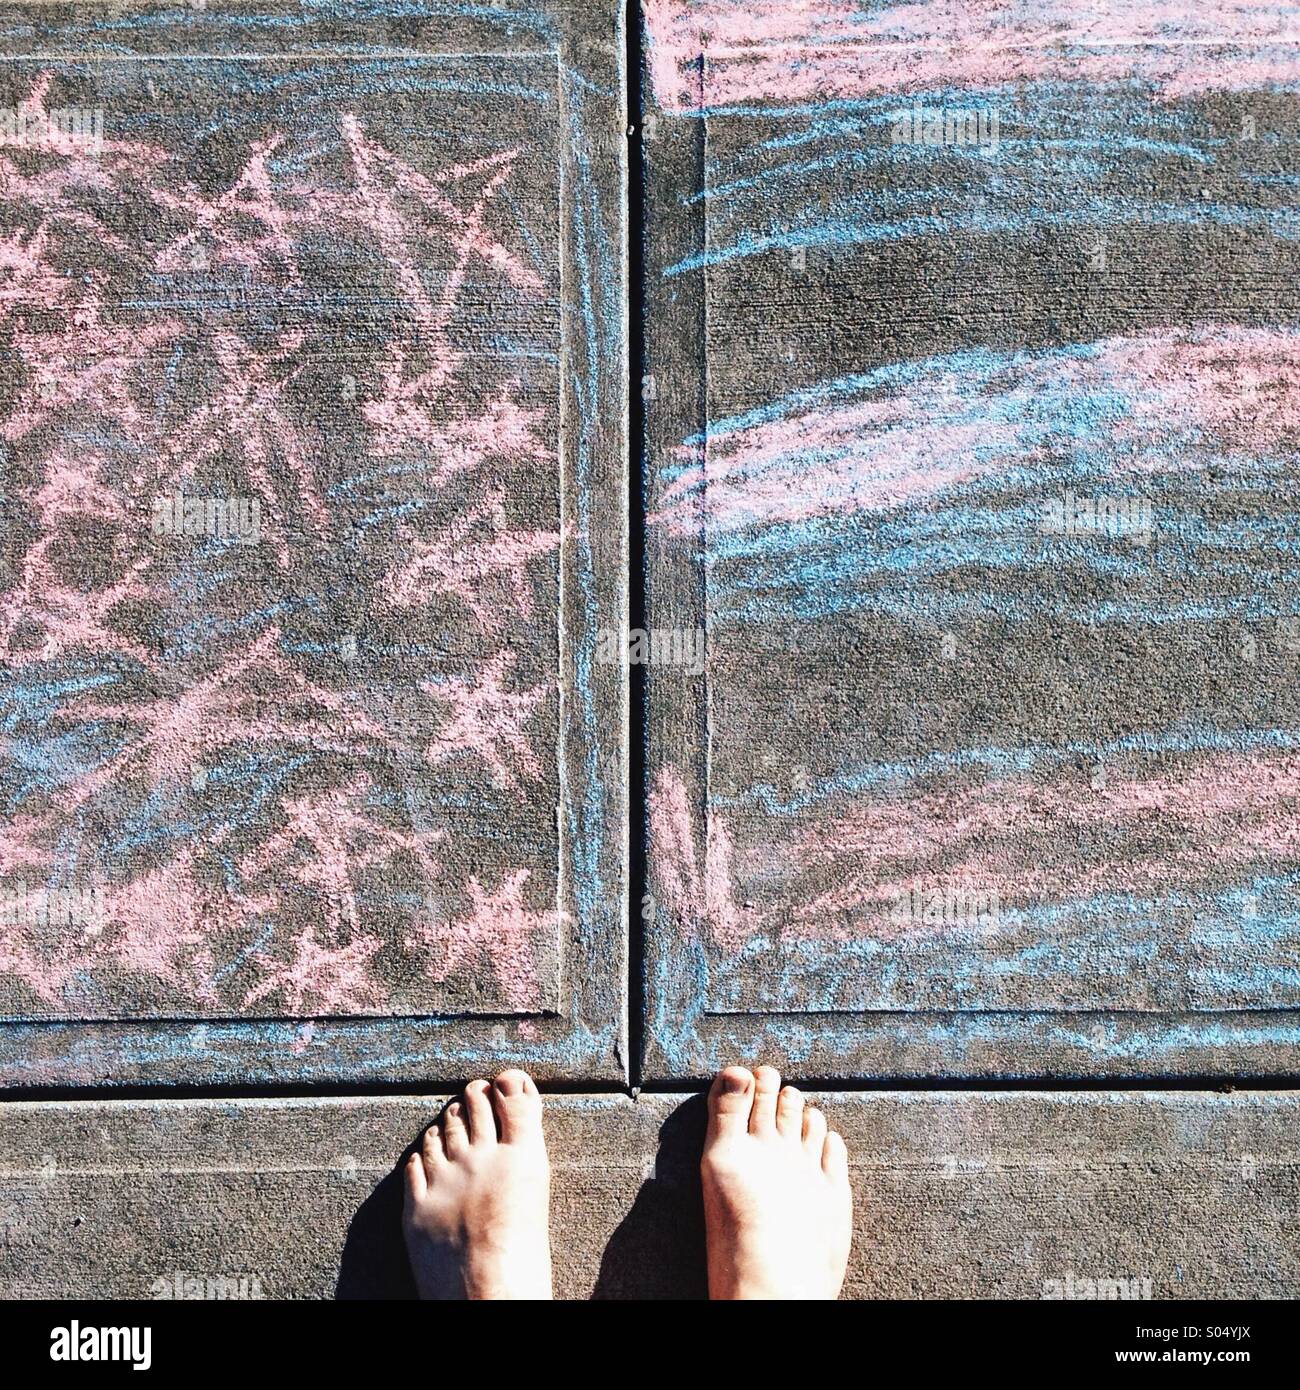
{"type": "Point", "coordinates": [158, 925]}
{"type": "Point", "coordinates": [504, 430]}
{"type": "Point", "coordinates": [949, 424]}
{"type": "Point", "coordinates": [183, 730]}
{"type": "Point", "coordinates": [183, 352]}
{"type": "Point", "coordinates": [27, 274]}
{"type": "Point", "coordinates": [76, 166]}
{"type": "Point", "coordinates": [697, 901]}
{"type": "Point", "coordinates": [842, 869]}
{"type": "Point", "coordinates": [1027, 841]}
{"type": "Point", "coordinates": [775, 50]}
{"type": "Point", "coordinates": [86, 365]}
{"type": "Point", "coordinates": [247, 408]}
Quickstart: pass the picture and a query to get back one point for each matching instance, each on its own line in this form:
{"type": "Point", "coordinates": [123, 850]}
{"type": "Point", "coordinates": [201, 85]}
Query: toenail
{"type": "Point", "coordinates": [733, 1083]}
{"type": "Point", "coordinates": [509, 1083]}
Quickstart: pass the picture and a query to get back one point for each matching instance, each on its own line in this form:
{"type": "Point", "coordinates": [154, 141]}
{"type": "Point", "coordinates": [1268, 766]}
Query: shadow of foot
{"type": "Point", "coordinates": [657, 1250]}
{"type": "Point", "coordinates": [374, 1263]}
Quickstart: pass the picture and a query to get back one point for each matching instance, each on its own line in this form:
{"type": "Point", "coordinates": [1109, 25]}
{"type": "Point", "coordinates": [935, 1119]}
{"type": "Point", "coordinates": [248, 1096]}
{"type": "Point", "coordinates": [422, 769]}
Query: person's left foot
{"type": "Point", "coordinates": [477, 1196]}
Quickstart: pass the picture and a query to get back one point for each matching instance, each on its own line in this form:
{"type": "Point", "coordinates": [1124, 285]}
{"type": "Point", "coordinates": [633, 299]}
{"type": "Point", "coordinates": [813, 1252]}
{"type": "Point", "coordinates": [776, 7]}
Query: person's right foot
{"type": "Point", "coordinates": [778, 1211]}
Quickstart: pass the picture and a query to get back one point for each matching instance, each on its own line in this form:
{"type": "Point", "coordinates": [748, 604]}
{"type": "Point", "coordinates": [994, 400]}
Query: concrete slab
{"type": "Point", "coordinates": [993, 1195]}
{"type": "Point", "coordinates": [972, 414]}
{"type": "Point", "coordinates": [314, 421]}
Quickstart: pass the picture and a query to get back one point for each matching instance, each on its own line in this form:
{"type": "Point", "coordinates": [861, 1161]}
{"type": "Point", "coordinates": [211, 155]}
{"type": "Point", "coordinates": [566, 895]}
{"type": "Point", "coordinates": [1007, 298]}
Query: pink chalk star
{"type": "Point", "coordinates": [222, 223]}
{"type": "Point", "coordinates": [322, 979]}
{"type": "Point", "coordinates": [474, 571]}
{"type": "Point", "coordinates": [487, 722]}
{"type": "Point", "coordinates": [398, 205]}
{"type": "Point", "coordinates": [501, 929]}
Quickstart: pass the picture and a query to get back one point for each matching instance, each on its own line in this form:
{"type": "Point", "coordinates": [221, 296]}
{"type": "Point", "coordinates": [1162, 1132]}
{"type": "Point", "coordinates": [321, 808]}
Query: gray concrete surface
{"type": "Point", "coordinates": [957, 1195]}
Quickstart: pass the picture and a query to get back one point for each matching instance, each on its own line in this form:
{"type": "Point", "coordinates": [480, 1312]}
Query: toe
{"type": "Point", "coordinates": [432, 1151]}
{"type": "Point", "coordinates": [762, 1118]}
{"type": "Point", "coordinates": [482, 1120]}
{"type": "Point", "coordinates": [814, 1131]}
{"type": "Point", "coordinates": [835, 1158]}
{"type": "Point", "coordinates": [789, 1112]}
{"type": "Point", "coordinates": [455, 1137]}
{"type": "Point", "coordinates": [518, 1106]}
{"type": "Point", "coordinates": [730, 1099]}
{"type": "Point", "coordinates": [416, 1184]}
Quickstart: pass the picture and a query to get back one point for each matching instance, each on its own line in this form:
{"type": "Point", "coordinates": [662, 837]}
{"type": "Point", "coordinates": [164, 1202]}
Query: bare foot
{"type": "Point", "coordinates": [778, 1212]}
{"type": "Point", "coordinates": [476, 1212]}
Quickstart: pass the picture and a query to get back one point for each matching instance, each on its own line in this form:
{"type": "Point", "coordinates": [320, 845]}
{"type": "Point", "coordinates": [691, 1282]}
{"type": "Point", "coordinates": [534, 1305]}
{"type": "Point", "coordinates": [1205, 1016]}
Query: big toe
{"type": "Point", "coordinates": [518, 1106]}
{"type": "Point", "coordinates": [731, 1097]}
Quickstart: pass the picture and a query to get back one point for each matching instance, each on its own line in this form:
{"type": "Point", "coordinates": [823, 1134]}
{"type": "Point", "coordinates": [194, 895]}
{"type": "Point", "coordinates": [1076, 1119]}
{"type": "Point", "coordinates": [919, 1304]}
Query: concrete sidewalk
{"type": "Point", "coordinates": [1021, 1195]}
